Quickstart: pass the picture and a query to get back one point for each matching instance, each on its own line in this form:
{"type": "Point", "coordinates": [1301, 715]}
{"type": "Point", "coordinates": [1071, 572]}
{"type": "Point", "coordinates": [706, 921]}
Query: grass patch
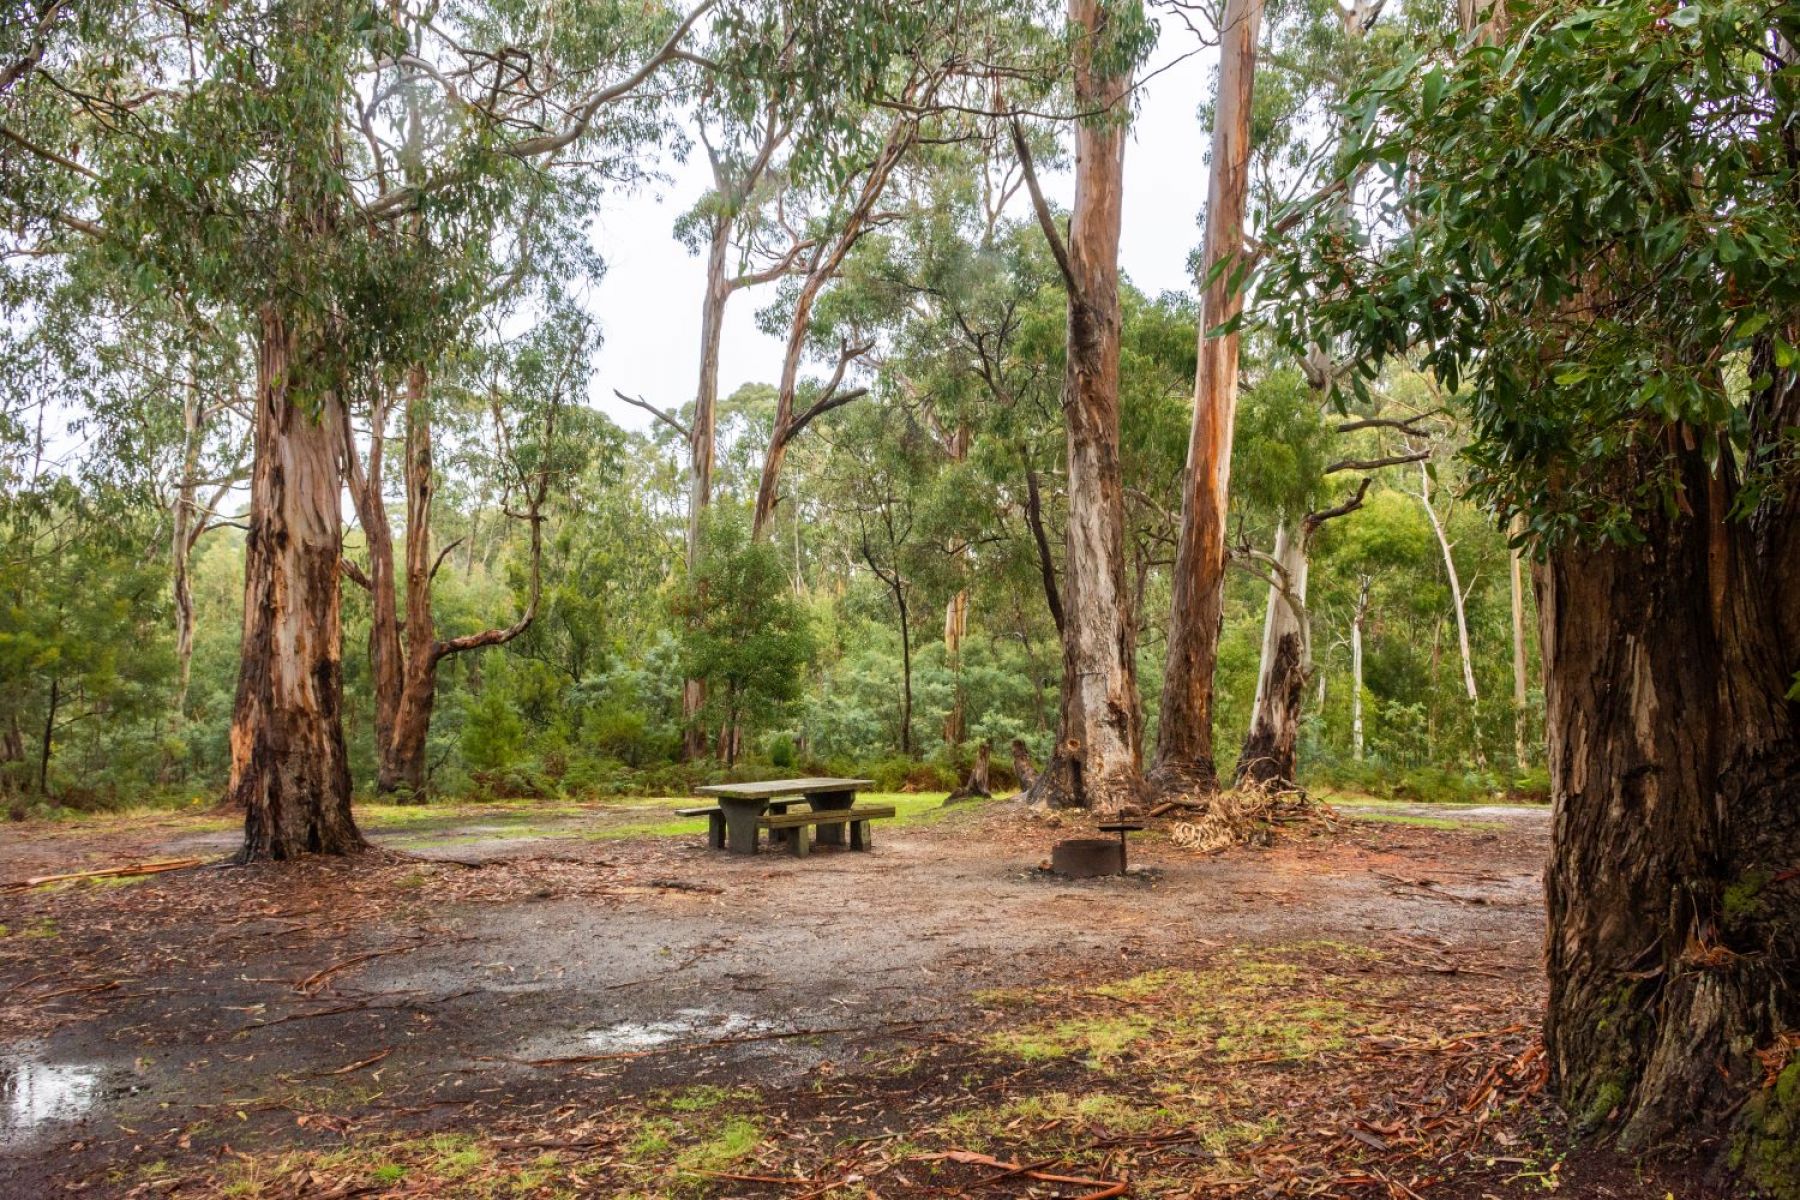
{"type": "Point", "coordinates": [1267, 1007]}
{"type": "Point", "coordinates": [1388, 818]}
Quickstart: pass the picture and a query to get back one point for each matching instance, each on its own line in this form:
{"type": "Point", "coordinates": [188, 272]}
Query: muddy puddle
{"type": "Point", "coordinates": [684, 1025]}
{"type": "Point", "coordinates": [35, 1094]}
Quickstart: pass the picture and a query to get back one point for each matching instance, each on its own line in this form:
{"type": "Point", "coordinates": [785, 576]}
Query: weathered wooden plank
{"type": "Point", "coordinates": [769, 788]}
{"type": "Point", "coordinates": [836, 816]}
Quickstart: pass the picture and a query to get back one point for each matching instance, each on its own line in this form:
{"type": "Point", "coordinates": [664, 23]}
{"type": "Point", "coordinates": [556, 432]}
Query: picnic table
{"type": "Point", "coordinates": [746, 809]}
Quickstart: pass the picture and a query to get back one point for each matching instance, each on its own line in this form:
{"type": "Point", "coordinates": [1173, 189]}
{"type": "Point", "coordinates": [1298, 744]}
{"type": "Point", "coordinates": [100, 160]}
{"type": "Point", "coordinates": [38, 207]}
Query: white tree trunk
{"type": "Point", "coordinates": [1521, 716]}
{"type": "Point", "coordinates": [1356, 670]}
{"type": "Point", "coordinates": [1456, 603]}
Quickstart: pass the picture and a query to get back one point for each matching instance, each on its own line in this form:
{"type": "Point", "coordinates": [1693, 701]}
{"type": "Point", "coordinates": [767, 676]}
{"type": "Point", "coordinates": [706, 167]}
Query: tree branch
{"type": "Point", "coordinates": [667, 418]}
{"type": "Point", "coordinates": [1046, 220]}
{"type": "Point", "coordinates": [1375, 464]}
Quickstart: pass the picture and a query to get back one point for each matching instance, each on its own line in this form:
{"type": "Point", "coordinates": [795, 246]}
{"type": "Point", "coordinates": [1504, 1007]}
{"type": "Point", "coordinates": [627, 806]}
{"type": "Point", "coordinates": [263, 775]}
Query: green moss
{"type": "Point", "coordinates": [707, 1097]}
{"type": "Point", "coordinates": [1742, 898]}
{"type": "Point", "coordinates": [735, 1141]}
{"type": "Point", "coordinates": [1766, 1150]}
{"type": "Point", "coordinates": [1098, 1038]}
{"type": "Point", "coordinates": [1606, 1097]}
{"type": "Point", "coordinates": [653, 1139]}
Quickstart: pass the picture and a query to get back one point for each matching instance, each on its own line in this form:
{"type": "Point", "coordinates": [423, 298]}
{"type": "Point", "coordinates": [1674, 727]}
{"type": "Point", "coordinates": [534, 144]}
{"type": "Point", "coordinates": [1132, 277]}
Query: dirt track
{"type": "Point", "coordinates": [157, 1026]}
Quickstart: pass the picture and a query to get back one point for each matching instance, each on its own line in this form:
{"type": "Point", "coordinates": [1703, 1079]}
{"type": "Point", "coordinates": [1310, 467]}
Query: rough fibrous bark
{"type": "Point", "coordinates": [976, 783]}
{"type": "Point", "coordinates": [1184, 749]}
{"type": "Point", "coordinates": [1270, 749]}
{"type": "Point", "coordinates": [1674, 904]}
{"type": "Point", "coordinates": [289, 770]}
{"type": "Point", "coordinates": [1097, 760]}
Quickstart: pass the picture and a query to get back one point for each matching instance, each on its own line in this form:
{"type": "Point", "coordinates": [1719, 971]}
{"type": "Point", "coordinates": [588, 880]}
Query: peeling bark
{"type": "Point", "coordinates": [1184, 751]}
{"type": "Point", "coordinates": [1097, 759]}
{"type": "Point", "coordinates": [1674, 945]}
{"type": "Point", "coordinates": [1269, 752]}
{"type": "Point", "coordinates": [289, 770]}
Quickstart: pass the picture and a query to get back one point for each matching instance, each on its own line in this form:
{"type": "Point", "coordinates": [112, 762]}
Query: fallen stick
{"type": "Point", "coordinates": [144, 868]}
{"type": "Point", "coordinates": [776, 1179]}
{"type": "Point", "coordinates": [1108, 1187]}
{"type": "Point", "coordinates": [312, 982]}
{"type": "Point", "coordinates": [355, 1066]}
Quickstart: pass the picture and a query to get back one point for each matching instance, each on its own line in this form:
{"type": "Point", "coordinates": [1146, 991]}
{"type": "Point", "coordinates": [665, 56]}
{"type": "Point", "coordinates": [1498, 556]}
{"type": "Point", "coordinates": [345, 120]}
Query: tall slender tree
{"type": "Point", "coordinates": [1097, 760]}
{"type": "Point", "coordinates": [1184, 749]}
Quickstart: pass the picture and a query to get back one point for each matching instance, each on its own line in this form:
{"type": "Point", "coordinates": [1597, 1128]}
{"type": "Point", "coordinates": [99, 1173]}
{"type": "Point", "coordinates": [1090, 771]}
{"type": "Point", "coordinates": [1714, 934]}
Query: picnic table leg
{"type": "Point", "coordinates": [799, 844]}
{"type": "Point", "coordinates": [740, 824]}
{"type": "Point", "coordinates": [715, 829]}
{"type": "Point", "coordinates": [778, 808]}
{"type": "Point", "coordinates": [830, 835]}
{"type": "Point", "coordinates": [859, 835]}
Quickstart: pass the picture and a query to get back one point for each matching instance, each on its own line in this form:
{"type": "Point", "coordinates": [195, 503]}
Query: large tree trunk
{"type": "Point", "coordinates": [1674, 899]}
{"type": "Point", "coordinates": [1097, 761]}
{"type": "Point", "coordinates": [1184, 748]}
{"type": "Point", "coordinates": [1268, 756]}
{"type": "Point", "coordinates": [289, 770]}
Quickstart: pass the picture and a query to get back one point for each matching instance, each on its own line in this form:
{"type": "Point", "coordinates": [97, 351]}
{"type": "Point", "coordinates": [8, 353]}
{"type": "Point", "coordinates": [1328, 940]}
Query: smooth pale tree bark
{"type": "Point", "coordinates": [822, 266]}
{"type": "Point", "coordinates": [1184, 751]}
{"type": "Point", "coordinates": [956, 615]}
{"type": "Point", "coordinates": [1357, 620]}
{"type": "Point", "coordinates": [1673, 894]}
{"type": "Point", "coordinates": [289, 769]}
{"type": "Point", "coordinates": [1459, 607]}
{"type": "Point", "coordinates": [191, 516]}
{"type": "Point", "coordinates": [1097, 760]}
{"type": "Point", "coordinates": [732, 190]}
{"type": "Point", "coordinates": [1521, 681]}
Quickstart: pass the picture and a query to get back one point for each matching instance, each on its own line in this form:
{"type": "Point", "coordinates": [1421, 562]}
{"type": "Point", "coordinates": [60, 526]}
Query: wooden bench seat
{"type": "Point", "coordinates": [715, 823]}
{"type": "Point", "coordinates": [797, 825]}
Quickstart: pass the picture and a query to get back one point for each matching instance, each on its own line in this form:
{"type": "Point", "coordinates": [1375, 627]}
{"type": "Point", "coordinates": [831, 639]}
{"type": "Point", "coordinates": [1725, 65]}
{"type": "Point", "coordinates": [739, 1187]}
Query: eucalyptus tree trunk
{"type": "Point", "coordinates": [702, 446]}
{"type": "Point", "coordinates": [1097, 761]}
{"type": "Point", "coordinates": [1460, 609]}
{"type": "Point", "coordinates": [289, 769]}
{"type": "Point", "coordinates": [956, 615]}
{"type": "Point", "coordinates": [403, 755]}
{"type": "Point", "coordinates": [1356, 669]}
{"type": "Point", "coordinates": [1521, 687]}
{"type": "Point", "coordinates": [184, 521]}
{"type": "Point", "coordinates": [1184, 750]}
{"type": "Point", "coordinates": [822, 268]}
{"type": "Point", "coordinates": [1673, 888]}
{"type": "Point", "coordinates": [1268, 755]}
{"type": "Point", "coordinates": [404, 655]}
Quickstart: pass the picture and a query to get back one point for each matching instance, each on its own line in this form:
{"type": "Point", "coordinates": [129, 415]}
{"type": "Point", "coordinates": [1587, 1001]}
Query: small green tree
{"type": "Point", "coordinates": [742, 630]}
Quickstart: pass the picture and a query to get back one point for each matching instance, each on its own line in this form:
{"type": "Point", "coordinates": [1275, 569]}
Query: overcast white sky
{"type": "Point", "coordinates": [649, 301]}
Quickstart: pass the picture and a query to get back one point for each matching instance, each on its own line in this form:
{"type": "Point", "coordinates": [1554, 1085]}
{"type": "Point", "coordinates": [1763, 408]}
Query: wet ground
{"type": "Point", "coordinates": [518, 970]}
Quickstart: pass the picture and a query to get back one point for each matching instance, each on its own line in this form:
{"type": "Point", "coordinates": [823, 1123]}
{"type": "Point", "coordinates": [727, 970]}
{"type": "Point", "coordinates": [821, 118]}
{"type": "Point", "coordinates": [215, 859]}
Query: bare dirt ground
{"type": "Point", "coordinates": [570, 1001]}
